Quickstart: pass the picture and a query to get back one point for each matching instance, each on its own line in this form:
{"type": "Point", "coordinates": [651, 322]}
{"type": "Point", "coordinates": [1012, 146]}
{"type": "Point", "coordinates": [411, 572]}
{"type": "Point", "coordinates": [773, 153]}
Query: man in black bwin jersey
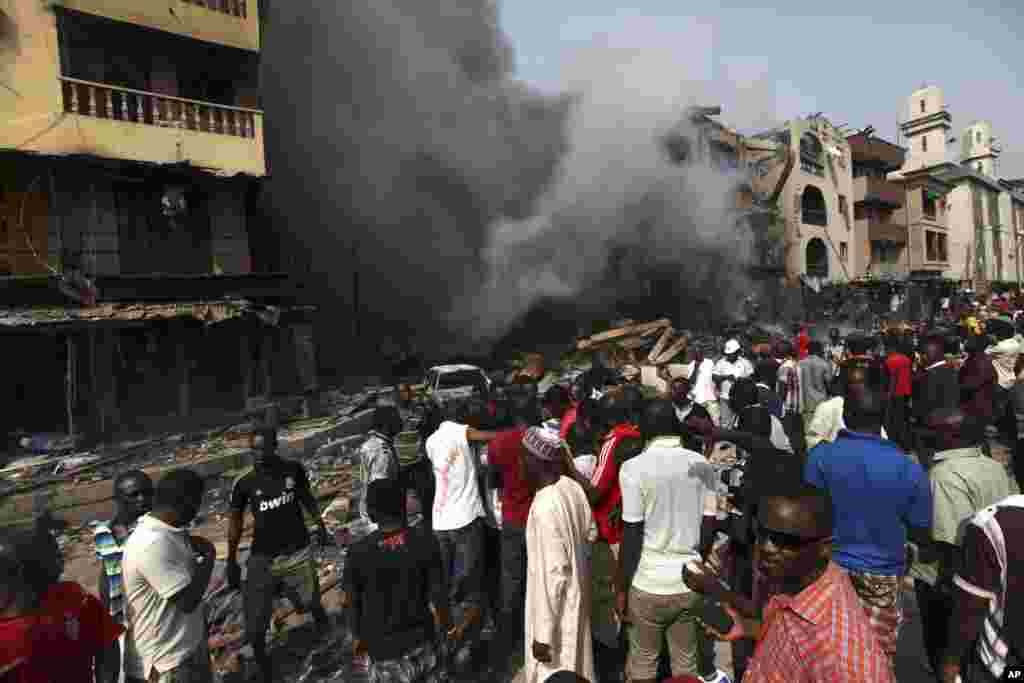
{"type": "Point", "coordinates": [281, 560]}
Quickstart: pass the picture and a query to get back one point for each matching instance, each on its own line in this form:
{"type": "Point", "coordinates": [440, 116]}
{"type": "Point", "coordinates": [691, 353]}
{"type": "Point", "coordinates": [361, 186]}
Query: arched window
{"type": "Point", "coordinates": [812, 207]}
{"type": "Point", "coordinates": [817, 258]}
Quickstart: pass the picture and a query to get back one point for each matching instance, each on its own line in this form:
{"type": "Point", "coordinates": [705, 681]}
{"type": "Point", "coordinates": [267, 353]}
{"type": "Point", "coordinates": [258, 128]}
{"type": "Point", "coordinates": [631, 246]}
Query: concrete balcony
{"type": "Point", "coordinates": [224, 22]}
{"type": "Point", "coordinates": [122, 123]}
{"type": "Point", "coordinates": [878, 192]}
{"type": "Point", "coordinates": [891, 232]}
{"type": "Point", "coordinates": [236, 8]}
{"type": "Point", "coordinates": [886, 270]}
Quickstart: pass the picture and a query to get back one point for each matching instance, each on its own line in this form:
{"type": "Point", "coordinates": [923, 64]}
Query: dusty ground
{"type": "Point", "coordinates": [304, 655]}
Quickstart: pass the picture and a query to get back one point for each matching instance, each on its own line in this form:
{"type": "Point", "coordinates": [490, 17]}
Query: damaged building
{"type": "Point", "coordinates": [140, 280]}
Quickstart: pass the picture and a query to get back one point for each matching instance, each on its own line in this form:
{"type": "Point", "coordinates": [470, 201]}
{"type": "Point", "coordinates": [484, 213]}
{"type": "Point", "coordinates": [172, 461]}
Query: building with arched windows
{"type": "Point", "coordinates": [816, 202]}
{"type": "Point", "coordinates": [962, 221]}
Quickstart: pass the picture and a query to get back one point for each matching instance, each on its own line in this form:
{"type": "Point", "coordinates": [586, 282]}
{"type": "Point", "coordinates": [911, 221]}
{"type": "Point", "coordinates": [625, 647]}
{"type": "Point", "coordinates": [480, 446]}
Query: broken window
{"type": "Point", "coordinates": [935, 246]}
{"type": "Point", "coordinates": [817, 258]}
{"type": "Point", "coordinates": [928, 205]}
{"type": "Point", "coordinates": [812, 207]}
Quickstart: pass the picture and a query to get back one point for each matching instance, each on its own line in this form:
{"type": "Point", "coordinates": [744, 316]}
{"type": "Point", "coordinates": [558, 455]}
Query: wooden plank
{"type": "Point", "coordinates": [660, 346]}
{"type": "Point", "coordinates": [618, 332]}
{"type": "Point", "coordinates": [635, 343]}
{"type": "Point", "coordinates": [671, 352]}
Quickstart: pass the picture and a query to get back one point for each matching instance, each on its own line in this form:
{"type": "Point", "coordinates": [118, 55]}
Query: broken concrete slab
{"type": "Point", "coordinates": [82, 503]}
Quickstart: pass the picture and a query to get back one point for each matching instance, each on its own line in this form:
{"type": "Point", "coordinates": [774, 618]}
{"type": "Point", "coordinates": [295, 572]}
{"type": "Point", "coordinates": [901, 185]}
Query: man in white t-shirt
{"type": "Point", "coordinates": [459, 512]}
{"type": "Point", "coordinates": [729, 368]}
{"type": "Point", "coordinates": [166, 572]}
{"type": "Point", "coordinates": [663, 496]}
{"type": "Point", "coordinates": [700, 373]}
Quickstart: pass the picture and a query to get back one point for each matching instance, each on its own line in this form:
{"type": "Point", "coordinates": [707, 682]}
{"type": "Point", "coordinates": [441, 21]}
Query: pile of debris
{"type": "Point", "coordinates": [651, 352]}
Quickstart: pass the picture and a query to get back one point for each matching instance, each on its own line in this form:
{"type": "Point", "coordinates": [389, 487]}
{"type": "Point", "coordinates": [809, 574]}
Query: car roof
{"type": "Point", "coordinates": [453, 368]}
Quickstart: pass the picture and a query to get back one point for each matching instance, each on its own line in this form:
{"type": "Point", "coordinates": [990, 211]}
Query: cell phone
{"type": "Point", "coordinates": [715, 616]}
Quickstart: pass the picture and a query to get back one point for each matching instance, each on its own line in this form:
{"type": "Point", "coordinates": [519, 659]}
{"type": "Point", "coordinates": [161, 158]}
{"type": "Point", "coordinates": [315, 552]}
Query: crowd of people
{"type": "Point", "coordinates": [605, 536]}
{"type": "Point", "coordinates": [781, 498]}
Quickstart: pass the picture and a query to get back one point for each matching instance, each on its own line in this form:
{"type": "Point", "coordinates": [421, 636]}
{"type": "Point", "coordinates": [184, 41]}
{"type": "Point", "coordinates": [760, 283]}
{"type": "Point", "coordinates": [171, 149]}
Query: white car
{"type": "Point", "coordinates": [453, 382]}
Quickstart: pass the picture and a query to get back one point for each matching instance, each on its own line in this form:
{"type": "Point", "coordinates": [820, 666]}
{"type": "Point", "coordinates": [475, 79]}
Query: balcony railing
{"type": "Point", "coordinates": [235, 8]}
{"type": "Point", "coordinates": [136, 106]}
{"type": "Point", "coordinates": [878, 190]}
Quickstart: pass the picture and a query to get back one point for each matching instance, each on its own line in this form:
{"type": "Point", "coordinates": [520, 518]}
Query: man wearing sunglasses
{"type": "Point", "coordinates": [814, 630]}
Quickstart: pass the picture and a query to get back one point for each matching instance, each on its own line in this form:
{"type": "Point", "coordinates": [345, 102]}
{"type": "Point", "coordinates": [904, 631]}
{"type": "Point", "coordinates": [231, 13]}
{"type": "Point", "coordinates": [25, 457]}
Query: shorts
{"type": "Point", "coordinates": [294, 576]}
{"type": "Point", "coordinates": [195, 669]}
{"type": "Point", "coordinates": [420, 665]}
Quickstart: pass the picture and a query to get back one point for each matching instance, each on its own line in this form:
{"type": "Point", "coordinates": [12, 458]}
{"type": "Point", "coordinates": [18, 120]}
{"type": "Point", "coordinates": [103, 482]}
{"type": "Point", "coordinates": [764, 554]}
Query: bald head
{"type": "Point", "coordinates": [863, 408]}
{"type": "Point", "coordinates": [953, 429]}
{"type": "Point", "coordinates": [807, 509]}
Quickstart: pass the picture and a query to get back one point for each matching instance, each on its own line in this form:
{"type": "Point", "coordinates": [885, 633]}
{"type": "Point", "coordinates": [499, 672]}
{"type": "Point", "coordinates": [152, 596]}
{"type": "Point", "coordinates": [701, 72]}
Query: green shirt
{"type": "Point", "coordinates": [963, 481]}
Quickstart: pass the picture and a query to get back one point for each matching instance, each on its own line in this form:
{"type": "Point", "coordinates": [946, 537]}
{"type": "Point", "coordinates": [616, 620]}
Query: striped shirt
{"type": "Point", "coordinates": [992, 570]}
{"type": "Point", "coordinates": [378, 459]}
{"type": "Point", "coordinates": [109, 541]}
{"type": "Point", "coordinates": [820, 635]}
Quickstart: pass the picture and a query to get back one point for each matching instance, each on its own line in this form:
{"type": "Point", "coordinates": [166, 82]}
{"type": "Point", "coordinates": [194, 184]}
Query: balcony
{"type": "Point", "coordinates": [887, 231]}
{"type": "Point", "coordinates": [878, 192]}
{"type": "Point", "coordinates": [45, 290]}
{"type": "Point", "coordinates": [235, 8]}
{"type": "Point", "coordinates": [136, 106]}
{"type": "Point", "coordinates": [886, 270]}
{"type": "Point", "coordinates": [234, 23]}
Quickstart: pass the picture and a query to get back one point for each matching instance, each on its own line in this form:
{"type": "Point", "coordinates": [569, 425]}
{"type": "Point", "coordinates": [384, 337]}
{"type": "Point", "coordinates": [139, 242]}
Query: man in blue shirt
{"type": "Point", "coordinates": [878, 493]}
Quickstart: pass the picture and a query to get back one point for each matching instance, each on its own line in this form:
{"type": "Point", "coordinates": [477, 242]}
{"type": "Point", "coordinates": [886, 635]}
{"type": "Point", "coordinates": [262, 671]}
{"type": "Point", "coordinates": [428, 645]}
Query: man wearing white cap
{"type": "Point", "coordinates": [558, 569]}
{"type": "Point", "coordinates": [731, 367]}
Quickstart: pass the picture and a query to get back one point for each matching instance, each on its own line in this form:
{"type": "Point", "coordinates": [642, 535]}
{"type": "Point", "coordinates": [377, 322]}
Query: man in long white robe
{"type": "Point", "coordinates": [558, 567]}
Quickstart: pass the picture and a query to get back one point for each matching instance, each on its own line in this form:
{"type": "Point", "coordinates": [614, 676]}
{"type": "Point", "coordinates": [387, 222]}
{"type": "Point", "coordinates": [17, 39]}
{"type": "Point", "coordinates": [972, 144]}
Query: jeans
{"type": "Point", "coordinates": [742, 581]}
{"type": "Point", "coordinates": [896, 424]}
{"type": "Point", "coordinates": [195, 669]}
{"type": "Point", "coordinates": [936, 610]}
{"type": "Point", "coordinates": [512, 622]}
{"type": "Point", "coordinates": [462, 558]}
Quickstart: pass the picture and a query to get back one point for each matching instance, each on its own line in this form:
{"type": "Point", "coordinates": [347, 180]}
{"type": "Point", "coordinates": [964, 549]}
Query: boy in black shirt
{"type": "Point", "coordinates": [275, 491]}
{"type": "Point", "coordinates": [396, 592]}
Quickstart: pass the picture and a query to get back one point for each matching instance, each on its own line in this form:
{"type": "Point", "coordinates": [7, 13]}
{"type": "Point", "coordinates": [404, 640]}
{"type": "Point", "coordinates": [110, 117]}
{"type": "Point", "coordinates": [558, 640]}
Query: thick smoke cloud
{"type": "Point", "coordinates": [395, 127]}
{"type": "Point", "coordinates": [617, 190]}
{"type": "Point", "coordinates": [400, 144]}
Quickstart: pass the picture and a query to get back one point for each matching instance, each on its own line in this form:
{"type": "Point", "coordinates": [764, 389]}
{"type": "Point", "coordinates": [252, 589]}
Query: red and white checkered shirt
{"type": "Point", "coordinates": [820, 635]}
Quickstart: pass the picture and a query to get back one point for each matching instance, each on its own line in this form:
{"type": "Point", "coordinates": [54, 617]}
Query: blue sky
{"type": "Point", "coordinates": [857, 63]}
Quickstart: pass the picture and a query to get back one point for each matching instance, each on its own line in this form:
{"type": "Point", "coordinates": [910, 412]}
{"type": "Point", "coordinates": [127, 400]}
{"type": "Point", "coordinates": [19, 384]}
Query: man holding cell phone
{"type": "Point", "coordinates": [815, 630]}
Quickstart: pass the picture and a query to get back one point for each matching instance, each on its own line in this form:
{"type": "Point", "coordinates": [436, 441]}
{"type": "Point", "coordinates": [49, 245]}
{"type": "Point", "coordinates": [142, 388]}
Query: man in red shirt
{"type": "Point", "coordinates": [504, 457]}
{"type": "Point", "coordinates": [18, 627]}
{"type": "Point", "coordinates": [619, 440]}
{"type": "Point", "coordinates": [900, 368]}
{"type": "Point", "coordinates": [803, 341]}
{"type": "Point", "coordinates": [558, 405]}
{"type": "Point", "coordinates": [86, 628]}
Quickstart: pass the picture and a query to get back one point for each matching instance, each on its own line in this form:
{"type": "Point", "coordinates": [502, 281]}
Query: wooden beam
{"type": "Point", "coordinates": [660, 346]}
{"type": "Point", "coordinates": [628, 331]}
